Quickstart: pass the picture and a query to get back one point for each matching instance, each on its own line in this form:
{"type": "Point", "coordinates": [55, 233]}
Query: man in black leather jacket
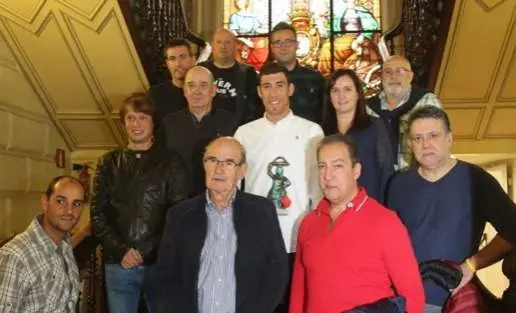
{"type": "Point", "coordinates": [133, 188]}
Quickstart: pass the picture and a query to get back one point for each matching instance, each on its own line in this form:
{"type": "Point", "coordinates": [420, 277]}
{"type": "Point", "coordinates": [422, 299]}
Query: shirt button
{"type": "Point", "coordinates": [219, 280]}
{"type": "Point", "coordinates": [216, 303]}
{"type": "Point", "coordinates": [222, 236]}
{"type": "Point", "coordinates": [221, 257]}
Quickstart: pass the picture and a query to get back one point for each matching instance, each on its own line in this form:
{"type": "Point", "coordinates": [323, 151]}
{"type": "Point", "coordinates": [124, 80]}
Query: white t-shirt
{"type": "Point", "coordinates": [282, 166]}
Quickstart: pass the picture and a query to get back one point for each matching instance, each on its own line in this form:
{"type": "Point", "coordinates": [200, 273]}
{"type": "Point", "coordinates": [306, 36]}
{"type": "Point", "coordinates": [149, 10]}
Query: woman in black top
{"type": "Point", "coordinates": [345, 112]}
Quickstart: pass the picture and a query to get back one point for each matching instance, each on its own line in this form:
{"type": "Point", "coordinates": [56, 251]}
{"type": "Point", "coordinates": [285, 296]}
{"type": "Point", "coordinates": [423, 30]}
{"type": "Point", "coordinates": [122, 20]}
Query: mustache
{"type": "Point", "coordinates": [68, 217]}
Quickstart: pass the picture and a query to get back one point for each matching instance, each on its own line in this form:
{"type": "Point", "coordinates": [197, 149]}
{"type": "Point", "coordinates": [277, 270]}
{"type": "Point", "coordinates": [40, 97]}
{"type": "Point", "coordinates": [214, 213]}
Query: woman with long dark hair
{"type": "Point", "coordinates": [345, 113]}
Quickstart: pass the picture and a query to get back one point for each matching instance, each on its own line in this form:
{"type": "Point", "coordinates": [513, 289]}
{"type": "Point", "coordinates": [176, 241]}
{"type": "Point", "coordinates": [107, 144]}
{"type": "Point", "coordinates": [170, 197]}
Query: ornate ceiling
{"type": "Point", "coordinates": [477, 80]}
{"type": "Point", "coordinates": [80, 60]}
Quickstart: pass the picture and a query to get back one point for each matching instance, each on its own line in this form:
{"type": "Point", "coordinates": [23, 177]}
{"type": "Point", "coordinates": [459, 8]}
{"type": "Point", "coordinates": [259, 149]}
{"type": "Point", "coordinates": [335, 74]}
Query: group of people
{"type": "Point", "coordinates": [241, 192]}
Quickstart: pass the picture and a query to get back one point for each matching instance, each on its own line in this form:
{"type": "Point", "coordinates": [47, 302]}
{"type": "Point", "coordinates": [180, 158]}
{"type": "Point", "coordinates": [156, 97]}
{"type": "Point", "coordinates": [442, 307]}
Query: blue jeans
{"type": "Point", "coordinates": [124, 286]}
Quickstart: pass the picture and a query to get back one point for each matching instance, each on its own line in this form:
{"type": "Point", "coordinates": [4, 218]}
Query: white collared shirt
{"type": "Point", "coordinates": [292, 140]}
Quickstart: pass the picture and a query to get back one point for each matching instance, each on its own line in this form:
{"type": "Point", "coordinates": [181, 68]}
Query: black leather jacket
{"type": "Point", "coordinates": [132, 192]}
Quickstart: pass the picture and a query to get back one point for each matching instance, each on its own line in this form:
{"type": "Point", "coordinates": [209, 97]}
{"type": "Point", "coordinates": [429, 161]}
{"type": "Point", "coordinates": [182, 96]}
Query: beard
{"type": "Point", "coordinates": [395, 90]}
{"type": "Point", "coordinates": [56, 225]}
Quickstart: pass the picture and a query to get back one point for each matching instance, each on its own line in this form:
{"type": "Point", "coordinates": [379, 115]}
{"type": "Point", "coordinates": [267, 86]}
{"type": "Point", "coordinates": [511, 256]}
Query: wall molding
{"type": "Point", "coordinates": [488, 8]}
{"type": "Point", "coordinates": [63, 17]}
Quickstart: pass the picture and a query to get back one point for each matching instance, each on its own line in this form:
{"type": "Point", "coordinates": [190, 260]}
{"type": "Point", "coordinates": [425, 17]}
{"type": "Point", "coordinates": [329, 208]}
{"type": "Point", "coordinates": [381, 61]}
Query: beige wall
{"type": "Point", "coordinates": [28, 140]}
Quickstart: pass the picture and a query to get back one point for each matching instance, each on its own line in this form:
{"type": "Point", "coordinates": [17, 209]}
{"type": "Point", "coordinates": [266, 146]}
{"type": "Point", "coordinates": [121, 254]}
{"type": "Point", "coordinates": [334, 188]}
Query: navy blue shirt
{"type": "Point", "coordinates": [373, 151]}
{"type": "Point", "coordinates": [445, 218]}
{"type": "Point", "coordinates": [438, 216]}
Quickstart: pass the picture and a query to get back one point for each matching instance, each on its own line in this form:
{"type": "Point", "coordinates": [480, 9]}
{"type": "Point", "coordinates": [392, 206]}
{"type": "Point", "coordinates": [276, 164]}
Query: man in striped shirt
{"type": "Point", "coordinates": [222, 251]}
{"type": "Point", "coordinates": [38, 272]}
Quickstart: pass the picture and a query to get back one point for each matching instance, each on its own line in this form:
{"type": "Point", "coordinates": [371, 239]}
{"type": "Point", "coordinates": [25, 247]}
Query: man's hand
{"type": "Point", "coordinates": [131, 259]}
{"type": "Point", "coordinates": [467, 276]}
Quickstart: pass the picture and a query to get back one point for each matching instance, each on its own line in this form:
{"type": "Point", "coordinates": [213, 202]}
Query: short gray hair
{"type": "Point", "coordinates": [243, 158]}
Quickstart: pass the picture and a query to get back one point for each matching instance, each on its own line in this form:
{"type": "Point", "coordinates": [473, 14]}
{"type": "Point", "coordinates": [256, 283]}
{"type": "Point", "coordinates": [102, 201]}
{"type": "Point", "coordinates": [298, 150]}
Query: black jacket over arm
{"type": "Point", "coordinates": [261, 268]}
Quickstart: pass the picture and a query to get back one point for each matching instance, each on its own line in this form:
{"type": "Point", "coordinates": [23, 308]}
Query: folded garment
{"type": "Point", "coordinates": [443, 273]}
{"type": "Point", "coordinates": [386, 305]}
{"type": "Point", "coordinates": [447, 275]}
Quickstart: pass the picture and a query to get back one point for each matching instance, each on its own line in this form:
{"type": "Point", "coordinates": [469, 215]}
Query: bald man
{"type": "Point", "coordinates": [222, 251]}
{"type": "Point", "coordinates": [188, 131]}
{"type": "Point", "coordinates": [396, 102]}
{"type": "Point", "coordinates": [235, 82]}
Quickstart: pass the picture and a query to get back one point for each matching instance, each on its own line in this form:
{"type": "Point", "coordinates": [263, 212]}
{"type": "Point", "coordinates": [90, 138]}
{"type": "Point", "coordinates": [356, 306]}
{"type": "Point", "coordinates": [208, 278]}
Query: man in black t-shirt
{"type": "Point", "coordinates": [168, 96]}
{"type": "Point", "coordinates": [236, 83]}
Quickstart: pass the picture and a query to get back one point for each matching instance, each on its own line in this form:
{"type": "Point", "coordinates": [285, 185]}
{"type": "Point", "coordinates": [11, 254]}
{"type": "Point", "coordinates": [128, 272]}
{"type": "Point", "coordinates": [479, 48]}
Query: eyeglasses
{"type": "Point", "coordinates": [225, 164]}
{"type": "Point", "coordinates": [399, 71]}
{"type": "Point", "coordinates": [284, 42]}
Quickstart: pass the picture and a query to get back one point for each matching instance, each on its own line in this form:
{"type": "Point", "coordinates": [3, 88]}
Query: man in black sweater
{"type": "Point", "coordinates": [189, 130]}
{"type": "Point", "coordinates": [236, 83]}
{"type": "Point", "coordinates": [168, 96]}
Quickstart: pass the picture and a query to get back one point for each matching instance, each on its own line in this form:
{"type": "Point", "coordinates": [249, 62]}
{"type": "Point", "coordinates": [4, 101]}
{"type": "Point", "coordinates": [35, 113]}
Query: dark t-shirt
{"type": "Point", "coordinates": [185, 134]}
{"type": "Point", "coordinates": [167, 99]}
{"type": "Point", "coordinates": [240, 80]}
{"type": "Point", "coordinates": [445, 219]}
{"type": "Point", "coordinates": [308, 98]}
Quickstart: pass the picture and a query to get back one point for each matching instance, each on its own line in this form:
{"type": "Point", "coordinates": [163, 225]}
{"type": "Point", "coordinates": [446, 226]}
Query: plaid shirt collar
{"type": "Point", "coordinates": [44, 240]}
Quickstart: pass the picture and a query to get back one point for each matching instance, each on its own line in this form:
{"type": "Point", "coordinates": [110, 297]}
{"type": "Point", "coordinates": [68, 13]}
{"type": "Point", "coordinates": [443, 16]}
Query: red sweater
{"type": "Point", "coordinates": [360, 259]}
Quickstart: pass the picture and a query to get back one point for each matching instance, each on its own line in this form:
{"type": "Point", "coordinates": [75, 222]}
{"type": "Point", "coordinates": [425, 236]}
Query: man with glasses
{"type": "Point", "coordinates": [394, 104]}
{"type": "Point", "coordinates": [235, 83]}
{"type": "Point", "coordinates": [308, 96]}
{"type": "Point", "coordinates": [445, 204]}
{"type": "Point", "coordinates": [189, 130]}
{"type": "Point", "coordinates": [222, 251]}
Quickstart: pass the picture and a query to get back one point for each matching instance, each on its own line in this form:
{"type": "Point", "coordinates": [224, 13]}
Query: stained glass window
{"type": "Point", "coordinates": [349, 28]}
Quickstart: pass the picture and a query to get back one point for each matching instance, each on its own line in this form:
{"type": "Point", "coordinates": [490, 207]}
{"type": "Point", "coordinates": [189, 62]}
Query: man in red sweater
{"type": "Point", "coordinates": [351, 250]}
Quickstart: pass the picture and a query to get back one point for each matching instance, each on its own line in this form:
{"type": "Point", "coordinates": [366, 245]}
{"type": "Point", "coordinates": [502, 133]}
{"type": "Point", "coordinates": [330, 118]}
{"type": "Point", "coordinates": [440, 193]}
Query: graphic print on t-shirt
{"type": "Point", "coordinates": [278, 192]}
{"type": "Point", "coordinates": [225, 88]}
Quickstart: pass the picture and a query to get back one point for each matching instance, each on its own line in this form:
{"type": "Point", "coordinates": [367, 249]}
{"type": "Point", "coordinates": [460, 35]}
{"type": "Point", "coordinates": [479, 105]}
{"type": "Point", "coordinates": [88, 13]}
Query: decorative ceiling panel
{"type": "Point", "coordinates": [91, 133]}
{"type": "Point", "coordinates": [465, 122]}
{"type": "Point", "coordinates": [86, 8]}
{"type": "Point", "coordinates": [502, 124]}
{"type": "Point", "coordinates": [80, 61]}
{"type": "Point", "coordinates": [26, 10]}
{"type": "Point", "coordinates": [109, 69]}
{"type": "Point", "coordinates": [472, 65]}
{"type": "Point", "coordinates": [53, 64]}
{"type": "Point", "coordinates": [477, 81]}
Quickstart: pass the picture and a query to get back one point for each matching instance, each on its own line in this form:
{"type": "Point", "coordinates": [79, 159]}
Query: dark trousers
{"type": "Point", "coordinates": [283, 306]}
